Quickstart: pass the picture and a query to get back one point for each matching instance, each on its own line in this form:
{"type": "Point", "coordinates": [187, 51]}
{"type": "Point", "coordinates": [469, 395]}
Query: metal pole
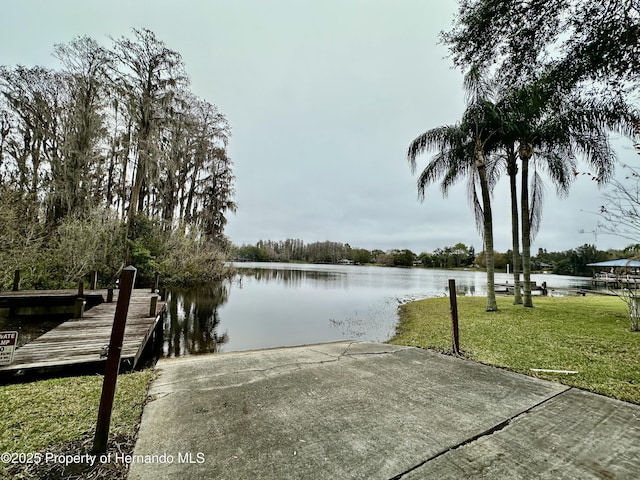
{"type": "Point", "coordinates": [454, 316]}
{"type": "Point", "coordinates": [127, 280]}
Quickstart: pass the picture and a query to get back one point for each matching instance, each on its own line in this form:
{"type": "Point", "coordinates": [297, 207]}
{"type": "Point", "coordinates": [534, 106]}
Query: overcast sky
{"type": "Point", "coordinates": [323, 98]}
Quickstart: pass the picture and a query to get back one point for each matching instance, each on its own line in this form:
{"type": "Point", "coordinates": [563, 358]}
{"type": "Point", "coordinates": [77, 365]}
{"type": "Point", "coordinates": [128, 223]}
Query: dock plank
{"type": "Point", "coordinates": [81, 341]}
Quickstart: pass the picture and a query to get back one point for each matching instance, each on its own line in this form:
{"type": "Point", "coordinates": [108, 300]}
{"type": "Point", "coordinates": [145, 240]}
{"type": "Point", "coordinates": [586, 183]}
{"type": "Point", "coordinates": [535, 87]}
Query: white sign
{"type": "Point", "coordinates": [8, 342]}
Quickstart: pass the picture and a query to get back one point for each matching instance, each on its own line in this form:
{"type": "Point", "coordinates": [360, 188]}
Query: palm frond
{"type": "Point", "coordinates": [460, 161]}
{"type": "Point", "coordinates": [435, 139]}
{"type": "Point", "coordinates": [451, 161]}
{"type": "Point", "coordinates": [598, 153]}
{"type": "Point", "coordinates": [560, 165]}
{"type": "Point", "coordinates": [478, 85]}
{"type": "Point", "coordinates": [535, 208]}
{"type": "Point", "coordinates": [496, 164]}
{"type": "Point", "coordinates": [429, 175]}
{"type": "Point", "coordinates": [474, 201]}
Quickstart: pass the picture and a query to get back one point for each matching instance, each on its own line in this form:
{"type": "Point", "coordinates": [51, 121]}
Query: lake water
{"type": "Point", "coordinates": [273, 304]}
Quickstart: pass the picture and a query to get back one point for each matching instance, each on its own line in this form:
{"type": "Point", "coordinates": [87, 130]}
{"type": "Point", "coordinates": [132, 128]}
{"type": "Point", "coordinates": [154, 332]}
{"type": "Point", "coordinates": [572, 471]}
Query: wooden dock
{"type": "Point", "coordinates": [615, 281]}
{"type": "Point", "coordinates": [39, 302]}
{"type": "Point", "coordinates": [509, 288]}
{"type": "Point", "coordinates": [79, 345]}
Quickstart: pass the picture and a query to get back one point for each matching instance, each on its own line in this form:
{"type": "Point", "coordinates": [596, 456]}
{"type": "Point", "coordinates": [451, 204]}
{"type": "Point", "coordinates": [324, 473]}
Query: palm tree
{"type": "Point", "coordinates": [480, 85]}
{"type": "Point", "coordinates": [560, 173]}
{"type": "Point", "coordinates": [463, 150]}
{"type": "Point", "coordinates": [548, 128]}
{"type": "Point", "coordinates": [512, 172]}
{"type": "Point", "coordinates": [553, 129]}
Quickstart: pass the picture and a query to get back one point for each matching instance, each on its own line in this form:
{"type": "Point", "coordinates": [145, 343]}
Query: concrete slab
{"type": "Point", "coordinates": [576, 435]}
{"type": "Point", "coordinates": [371, 411]}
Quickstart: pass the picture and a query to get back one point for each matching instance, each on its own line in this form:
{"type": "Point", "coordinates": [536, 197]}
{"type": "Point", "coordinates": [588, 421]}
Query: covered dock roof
{"type": "Point", "coordinates": [623, 262]}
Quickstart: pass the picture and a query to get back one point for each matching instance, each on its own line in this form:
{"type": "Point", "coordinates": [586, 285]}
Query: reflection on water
{"type": "Point", "coordinates": [464, 289]}
{"type": "Point", "coordinates": [288, 277]}
{"type": "Point", "coordinates": [192, 321]}
{"type": "Point", "coordinates": [272, 305]}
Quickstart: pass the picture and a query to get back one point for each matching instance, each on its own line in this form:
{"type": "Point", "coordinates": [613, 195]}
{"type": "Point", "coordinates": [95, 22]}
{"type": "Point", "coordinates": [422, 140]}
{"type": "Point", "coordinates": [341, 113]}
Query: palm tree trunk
{"type": "Point", "coordinates": [512, 170]}
{"type": "Point", "coordinates": [492, 305]}
{"type": "Point", "coordinates": [525, 154]}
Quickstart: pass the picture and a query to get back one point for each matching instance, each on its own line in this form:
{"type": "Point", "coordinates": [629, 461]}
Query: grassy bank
{"type": "Point", "coordinates": [589, 334]}
{"type": "Point", "coordinates": [59, 416]}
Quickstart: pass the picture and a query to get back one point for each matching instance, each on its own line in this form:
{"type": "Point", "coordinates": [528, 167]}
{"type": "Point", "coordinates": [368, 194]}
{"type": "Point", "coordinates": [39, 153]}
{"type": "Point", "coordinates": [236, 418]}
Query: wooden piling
{"type": "Point", "coordinates": [78, 307]}
{"type": "Point", "coordinates": [16, 280]}
{"type": "Point", "coordinates": [153, 306]}
{"type": "Point", "coordinates": [454, 317]}
{"type": "Point", "coordinates": [127, 279]}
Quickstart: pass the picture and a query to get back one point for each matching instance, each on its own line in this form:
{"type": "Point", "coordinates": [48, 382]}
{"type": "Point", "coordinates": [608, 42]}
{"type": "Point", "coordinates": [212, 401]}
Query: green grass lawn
{"type": "Point", "coordinates": [589, 334]}
{"type": "Point", "coordinates": [59, 416]}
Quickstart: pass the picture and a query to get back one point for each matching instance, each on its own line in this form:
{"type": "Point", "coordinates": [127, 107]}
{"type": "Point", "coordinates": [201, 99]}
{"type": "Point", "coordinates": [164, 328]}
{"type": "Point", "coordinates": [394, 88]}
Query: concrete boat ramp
{"type": "Point", "coordinates": [375, 411]}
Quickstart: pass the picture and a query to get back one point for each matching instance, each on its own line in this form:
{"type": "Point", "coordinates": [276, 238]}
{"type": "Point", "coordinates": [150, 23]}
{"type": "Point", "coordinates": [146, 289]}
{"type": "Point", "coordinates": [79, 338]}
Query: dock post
{"type": "Point", "coordinates": [154, 306]}
{"type": "Point", "coordinates": [16, 280]}
{"type": "Point", "coordinates": [81, 289]}
{"type": "Point", "coordinates": [454, 316]}
{"type": "Point", "coordinates": [154, 287]}
{"type": "Point", "coordinates": [127, 280]}
{"type": "Point", "coordinates": [109, 294]}
{"type": "Point", "coordinates": [78, 308]}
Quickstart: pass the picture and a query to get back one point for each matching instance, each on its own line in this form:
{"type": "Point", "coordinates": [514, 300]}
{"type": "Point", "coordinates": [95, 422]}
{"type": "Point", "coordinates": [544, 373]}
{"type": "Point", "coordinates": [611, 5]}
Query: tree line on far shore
{"type": "Point", "coordinates": [568, 262]}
